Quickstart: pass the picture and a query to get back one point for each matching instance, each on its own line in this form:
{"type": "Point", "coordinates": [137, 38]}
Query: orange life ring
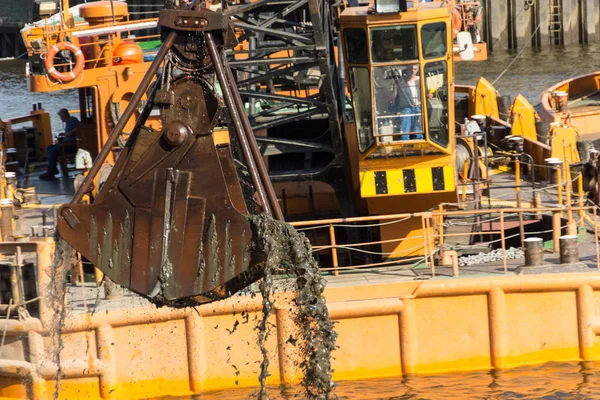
{"type": "Point", "coordinates": [64, 76]}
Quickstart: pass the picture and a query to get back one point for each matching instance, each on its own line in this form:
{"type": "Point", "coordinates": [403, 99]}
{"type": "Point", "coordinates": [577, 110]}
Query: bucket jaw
{"type": "Point", "coordinates": [171, 221]}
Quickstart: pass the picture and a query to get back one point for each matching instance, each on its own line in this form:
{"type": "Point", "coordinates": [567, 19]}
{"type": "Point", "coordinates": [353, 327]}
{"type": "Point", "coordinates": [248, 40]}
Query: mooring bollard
{"type": "Point", "coordinates": [113, 291]}
{"type": "Point", "coordinates": [533, 251]}
{"type": "Point", "coordinates": [562, 101]}
{"type": "Point", "coordinates": [569, 252]}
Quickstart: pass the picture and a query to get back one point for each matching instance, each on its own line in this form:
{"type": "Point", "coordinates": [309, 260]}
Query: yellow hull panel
{"type": "Point", "coordinates": [387, 329]}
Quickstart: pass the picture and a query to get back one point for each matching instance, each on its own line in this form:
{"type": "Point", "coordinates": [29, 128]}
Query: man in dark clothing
{"type": "Point", "coordinates": [54, 150]}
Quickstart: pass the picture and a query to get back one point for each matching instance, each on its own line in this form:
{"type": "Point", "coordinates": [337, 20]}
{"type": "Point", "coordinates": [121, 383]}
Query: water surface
{"type": "Point", "coordinates": [532, 71]}
{"type": "Point", "coordinates": [16, 100]}
{"type": "Point", "coordinates": [573, 381]}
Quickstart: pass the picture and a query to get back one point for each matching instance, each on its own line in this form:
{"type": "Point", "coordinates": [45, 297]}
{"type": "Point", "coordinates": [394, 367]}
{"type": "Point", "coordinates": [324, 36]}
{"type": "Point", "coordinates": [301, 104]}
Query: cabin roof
{"type": "Point", "coordinates": [420, 11]}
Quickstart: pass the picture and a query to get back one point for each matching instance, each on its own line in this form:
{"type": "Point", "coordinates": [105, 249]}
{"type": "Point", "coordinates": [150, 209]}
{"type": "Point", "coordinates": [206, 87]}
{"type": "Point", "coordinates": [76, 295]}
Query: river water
{"type": "Point", "coordinates": [530, 74]}
{"type": "Point", "coordinates": [551, 381]}
{"type": "Point", "coordinates": [16, 100]}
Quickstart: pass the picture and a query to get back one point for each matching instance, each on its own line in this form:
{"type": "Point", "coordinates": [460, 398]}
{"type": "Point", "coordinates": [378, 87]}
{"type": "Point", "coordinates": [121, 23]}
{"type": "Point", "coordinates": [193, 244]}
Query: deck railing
{"type": "Point", "coordinates": [435, 235]}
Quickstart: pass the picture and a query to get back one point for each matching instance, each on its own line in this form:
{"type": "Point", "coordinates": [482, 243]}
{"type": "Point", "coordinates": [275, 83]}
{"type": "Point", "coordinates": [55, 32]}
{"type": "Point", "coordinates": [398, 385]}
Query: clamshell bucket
{"type": "Point", "coordinates": [171, 221]}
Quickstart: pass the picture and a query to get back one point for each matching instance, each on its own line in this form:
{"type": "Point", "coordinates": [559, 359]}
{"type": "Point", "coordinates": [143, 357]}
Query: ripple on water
{"type": "Point", "coordinates": [16, 100]}
{"type": "Point", "coordinates": [531, 74]}
{"type": "Point", "coordinates": [549, 381]}
{"type": "Point", "coordinates": [533, 71]}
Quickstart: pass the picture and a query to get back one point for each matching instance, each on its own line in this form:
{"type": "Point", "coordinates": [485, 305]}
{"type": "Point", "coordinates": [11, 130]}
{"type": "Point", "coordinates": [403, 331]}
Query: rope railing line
{"type": "Point", "coordinates": [518, 234]}
{"type": "Point", "coordinates": [376, 253]}
{"type": "Point", "coordinates": [394, 218]}
{"type": "Point", "coordinates": [143, 12]}
{"type": "Point", "coordinates": [430, 239]}
{"type": "Point", "coordinates": [369, 243]}
{"type": "Point", "coordinates": [525, 189]}
{"type": "Point", "coordinates": [84, 26]}
{"type": "Point", "coordinates": [451, 223]}
{"type": "Point", "coordinates": [145, 6]}
{"type": "Point", "coordinates": [404, 261]}
{"type": "Point", "coordinates": [352, 226]}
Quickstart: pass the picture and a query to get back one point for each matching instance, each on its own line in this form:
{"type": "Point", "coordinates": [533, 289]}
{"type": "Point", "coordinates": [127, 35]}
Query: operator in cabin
{"type": "Point", "coordinates": [54, 150]}
{"type": "Point", "coordinates": [409, 98]}
{"type": "Point", "coordinates": [398, 102]}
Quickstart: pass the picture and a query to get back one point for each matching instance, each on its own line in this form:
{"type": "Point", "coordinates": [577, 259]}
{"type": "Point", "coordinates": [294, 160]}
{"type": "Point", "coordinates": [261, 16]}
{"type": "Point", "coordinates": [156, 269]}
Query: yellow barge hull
{"type": "Point", "coordinates": [385, 329]}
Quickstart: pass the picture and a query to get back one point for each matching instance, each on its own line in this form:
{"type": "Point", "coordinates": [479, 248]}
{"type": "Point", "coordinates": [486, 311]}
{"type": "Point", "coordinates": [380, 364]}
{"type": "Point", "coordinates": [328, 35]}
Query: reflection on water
{"type": "Point", "coordinates": [16, 100]}
{"type": "Point", "coordinates": [533, 71]}
{"type": "Point", "coordinates": [547, 381]}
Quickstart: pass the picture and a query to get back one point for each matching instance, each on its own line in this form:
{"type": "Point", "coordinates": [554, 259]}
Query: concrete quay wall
{"type": "Point", "coordinates": [513, 24]}
{"type": "Point", "coordinates": [508, 24]}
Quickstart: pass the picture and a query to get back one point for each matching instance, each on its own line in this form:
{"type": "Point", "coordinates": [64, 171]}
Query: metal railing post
{"type": "Point", "coordinates": [465, 180]}
{"type": "Point", "coordinates": [596, 238]}
{"type": "Point", "coordinates": [556, 217]}
{"type": "Point", "coordinates": [423, 229]}
{"type": "Point", "coordinates": [441, 225]}
{"type": "Point", "coordinates": [571, 227]}
{"type": "Point", "coordinates": [580, 195]}
{"type": "Point", "coordinates": [502, 239]}
{"type": "Point", "coordinates": [429, 219]}
{"type": "Point", "coordinates": [334, 255]}
{"type": "Point", "coordinates": [518, 185]}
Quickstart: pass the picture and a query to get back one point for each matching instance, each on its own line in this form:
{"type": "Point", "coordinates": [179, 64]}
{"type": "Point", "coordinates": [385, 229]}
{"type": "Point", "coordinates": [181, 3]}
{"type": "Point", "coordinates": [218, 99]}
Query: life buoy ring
{"type": "Point", "coordinates": [64, 76]}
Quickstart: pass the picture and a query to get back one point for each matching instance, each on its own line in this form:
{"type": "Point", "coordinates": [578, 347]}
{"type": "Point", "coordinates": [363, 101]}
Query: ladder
{"type": "Point", "coordinates": [555, 25]}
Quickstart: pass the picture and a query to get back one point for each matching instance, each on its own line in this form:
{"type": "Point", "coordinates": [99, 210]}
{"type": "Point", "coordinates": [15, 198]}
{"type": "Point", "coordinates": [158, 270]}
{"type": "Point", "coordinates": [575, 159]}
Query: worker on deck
{"type": "Point", "coordinates": [467, 17]}
{"type": "Point", "coordinates": [457, 22]}
{"type": "Point", "coordinates": [54, 150]}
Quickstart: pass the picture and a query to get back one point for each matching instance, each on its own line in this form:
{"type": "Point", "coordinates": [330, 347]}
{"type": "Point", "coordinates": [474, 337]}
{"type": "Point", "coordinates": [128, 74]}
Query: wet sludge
{"type": "Point", "coordinates": [288, 252]}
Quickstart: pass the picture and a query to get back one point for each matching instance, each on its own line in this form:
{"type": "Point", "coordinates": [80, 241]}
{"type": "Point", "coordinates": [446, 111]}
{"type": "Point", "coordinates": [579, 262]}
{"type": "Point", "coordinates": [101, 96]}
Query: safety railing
{"type": "Point", "coordinates": [17, 281]}
{"type": "Point", "coordinates": [435, 235]}
{"type": "Point", "coordinates": [51, 34]}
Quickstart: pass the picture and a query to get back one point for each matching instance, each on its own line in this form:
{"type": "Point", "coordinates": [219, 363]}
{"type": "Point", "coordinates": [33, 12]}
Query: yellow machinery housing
{"type": "Point", "coordinates": [402, 139]}
{"type": "Point", "coordinates": [106, 82]}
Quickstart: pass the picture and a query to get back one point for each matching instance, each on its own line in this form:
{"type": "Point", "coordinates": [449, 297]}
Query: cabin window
{"type": "Point", "coordinates": [436, 84]}
{"type": "Point", "coordinates": [433, 39]}
{"type": "Point", "coordinates": [355, 40]}
{"type": "Point", "coordinates": [361, 103]}
{"type": "Point", "coordinates": [397, 93]}
{"type": "Point", "coordinates": [394, 43]}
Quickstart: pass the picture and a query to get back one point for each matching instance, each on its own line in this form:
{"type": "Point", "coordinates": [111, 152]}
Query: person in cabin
{"type": "Point", "coordinates": [54, 150]}
{"type": "Point", "coordinates": [409, 98]}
